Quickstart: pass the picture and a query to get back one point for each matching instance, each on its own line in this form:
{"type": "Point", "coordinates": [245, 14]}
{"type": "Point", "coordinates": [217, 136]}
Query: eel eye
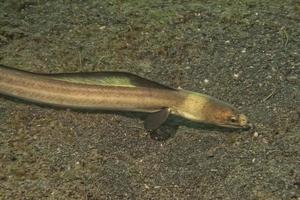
{"type": "Point", "coordinates": [233, 119]}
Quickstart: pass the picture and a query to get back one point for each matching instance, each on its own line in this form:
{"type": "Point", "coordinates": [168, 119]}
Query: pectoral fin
{"type": "Point", "coordinates": [155, 120]}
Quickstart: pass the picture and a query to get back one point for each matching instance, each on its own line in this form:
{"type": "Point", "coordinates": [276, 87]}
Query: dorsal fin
{"type": "Point", "coordinates": [124, 79]}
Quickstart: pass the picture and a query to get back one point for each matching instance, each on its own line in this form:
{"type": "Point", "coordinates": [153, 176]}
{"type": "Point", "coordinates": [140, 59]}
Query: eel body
{"type": "Point", "coordinates": [119, 91]}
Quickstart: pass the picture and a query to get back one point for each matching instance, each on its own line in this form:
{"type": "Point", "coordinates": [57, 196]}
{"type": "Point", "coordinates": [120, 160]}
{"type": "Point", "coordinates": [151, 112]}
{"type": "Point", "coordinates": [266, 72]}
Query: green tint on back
{"type": "Point", "coordinates": [122, 79]}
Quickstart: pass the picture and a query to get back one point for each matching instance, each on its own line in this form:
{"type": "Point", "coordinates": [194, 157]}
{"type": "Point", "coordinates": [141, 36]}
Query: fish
{"type": "Point", "coordinates": [118, 91]}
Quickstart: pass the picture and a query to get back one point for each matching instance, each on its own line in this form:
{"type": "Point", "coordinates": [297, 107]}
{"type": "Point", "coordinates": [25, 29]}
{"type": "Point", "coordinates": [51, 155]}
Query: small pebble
{"type": "Point", "coordinates": [236, 75]}
{"type": "Point", "coordinates": [146, 186]}
{"type": "Point", "coordinates": [255, 134]}
{"type": "Point", "coordinates": [292, 78]}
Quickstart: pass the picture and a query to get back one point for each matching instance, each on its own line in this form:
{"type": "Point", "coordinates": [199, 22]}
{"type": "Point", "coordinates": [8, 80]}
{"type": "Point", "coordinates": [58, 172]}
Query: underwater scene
{"type": "Point", "coordinates": [111, 99]}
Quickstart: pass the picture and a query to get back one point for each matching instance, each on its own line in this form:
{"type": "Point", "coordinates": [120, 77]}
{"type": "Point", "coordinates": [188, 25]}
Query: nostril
{"type": "Point", "coordinates": [243, 119]}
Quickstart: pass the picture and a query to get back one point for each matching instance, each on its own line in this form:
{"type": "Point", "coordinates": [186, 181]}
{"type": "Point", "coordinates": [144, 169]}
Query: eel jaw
{"type": "Point", "coordinates": [235, 121]}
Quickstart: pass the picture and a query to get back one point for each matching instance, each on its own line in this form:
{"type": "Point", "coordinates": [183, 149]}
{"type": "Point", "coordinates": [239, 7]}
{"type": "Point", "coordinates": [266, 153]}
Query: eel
{"type": "Point", "coordinates": [118, 91]}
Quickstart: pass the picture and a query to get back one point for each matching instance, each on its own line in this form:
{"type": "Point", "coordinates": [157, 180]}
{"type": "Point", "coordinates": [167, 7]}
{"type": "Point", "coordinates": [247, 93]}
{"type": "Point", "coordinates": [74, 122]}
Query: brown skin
{"type": "Point", "coordinates": [43, 88]}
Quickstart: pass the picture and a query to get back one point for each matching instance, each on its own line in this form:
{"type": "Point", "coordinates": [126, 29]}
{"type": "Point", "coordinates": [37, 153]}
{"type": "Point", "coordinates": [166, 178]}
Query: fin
{"type": "Point", "coordinates": [155, 120]}
{"type": "Point", "coordinates": [124, 79]}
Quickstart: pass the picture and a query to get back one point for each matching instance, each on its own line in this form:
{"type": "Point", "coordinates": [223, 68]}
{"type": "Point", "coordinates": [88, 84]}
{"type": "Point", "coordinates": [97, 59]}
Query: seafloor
{"type": "Point", "coordinates": [243, 52]}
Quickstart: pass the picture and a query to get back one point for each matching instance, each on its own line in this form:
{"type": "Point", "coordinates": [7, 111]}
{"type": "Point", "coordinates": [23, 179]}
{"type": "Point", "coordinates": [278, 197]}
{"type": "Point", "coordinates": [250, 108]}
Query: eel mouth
{"type": "Point", "coordinates": [246, 126]}
{"type": "Point", "coordinates": [241, 121]}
